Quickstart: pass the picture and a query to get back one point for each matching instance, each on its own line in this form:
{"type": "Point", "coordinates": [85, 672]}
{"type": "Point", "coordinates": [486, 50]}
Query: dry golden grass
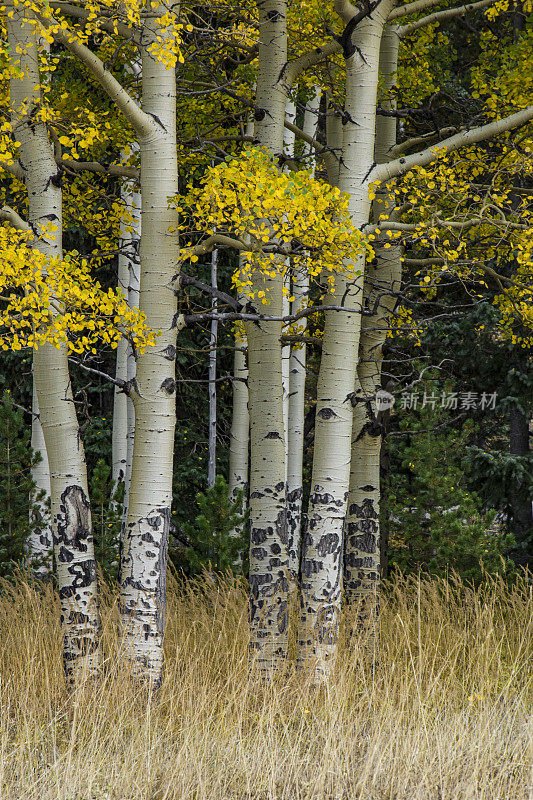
{"type": "Point", "coordinates": [444, 715]}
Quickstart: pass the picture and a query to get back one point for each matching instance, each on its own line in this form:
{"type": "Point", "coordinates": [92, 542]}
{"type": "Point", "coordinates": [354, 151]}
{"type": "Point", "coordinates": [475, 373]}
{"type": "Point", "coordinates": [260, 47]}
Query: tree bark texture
{"type": "Point", "coordinates": [144, 558]}
{"type": "Point", "coordinates": [322, 546]}
{"type": "Point", "coordinates": [71, 512]}
{"type": "Point", "coordinates": [268, 511]}
{"type": "Point", "coordinates": [297, 374]}
{"type": "Point", "coordinates": [362, 547]}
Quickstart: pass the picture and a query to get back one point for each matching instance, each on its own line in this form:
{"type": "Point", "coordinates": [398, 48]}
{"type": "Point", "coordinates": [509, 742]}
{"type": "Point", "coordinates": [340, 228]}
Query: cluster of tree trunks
{"type": "Point", "coordinates": [337, 549]}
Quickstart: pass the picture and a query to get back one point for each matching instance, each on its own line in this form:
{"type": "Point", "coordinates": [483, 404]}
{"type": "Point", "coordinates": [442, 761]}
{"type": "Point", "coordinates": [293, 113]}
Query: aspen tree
{"type": "Point", "coordinates": [128, 282]}
{"type": "Point", "coordinates": [145, 545]}
{"type": "Point", "coordinates": [322, 545]}
{"type": "Point", "coordinates": [268, 510]}
{"type": "Point", "coordinates": [240, 420]}
{"type": "Point", "coordinates": [144, 561]}
{"type": "Point", "coordinates": [71, 512]}
{"type": "Point", "coordinates": [383, 278]}
{"type": "Point", "coordinates": [297, 375]}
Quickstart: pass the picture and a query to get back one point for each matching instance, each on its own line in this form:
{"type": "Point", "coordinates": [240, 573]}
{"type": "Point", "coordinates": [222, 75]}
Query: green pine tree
{"type": "Point", "coordinates": [211, 544]}
{"type": "Point", "coordinates": [107, 508]}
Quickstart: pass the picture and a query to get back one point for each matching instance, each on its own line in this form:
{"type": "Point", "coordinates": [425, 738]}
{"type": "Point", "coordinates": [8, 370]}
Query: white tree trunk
{"type": "Point", "coordinates": [128, 281]}
{"type": "Point", "coordinates": [362, 547]}
{"type": "Point", "coordinates": [268, 512]}
{"type": "Point", "coordinates": [40, 541]}
{"type": "Point", "coordinates": [240, 421]}
{"type": "Point", "coordinates": [212, 460]}
{"type": "Point", "coordinates": [71, 513]}
{"type": "Point", "coordinates": [288, 150]}
{"type": "Point", "coordinates": [133, 302]}
{"type": "Point", "coordinates": [323, 538]}
{"type": "Point", "coordinates": [119, 441]}
{"type": "Point", "coordinates": [240, 428]}
{"type": "Point", "coordinates": [297, 373]}
{"type": "Point", "coordinates": [144, 559]}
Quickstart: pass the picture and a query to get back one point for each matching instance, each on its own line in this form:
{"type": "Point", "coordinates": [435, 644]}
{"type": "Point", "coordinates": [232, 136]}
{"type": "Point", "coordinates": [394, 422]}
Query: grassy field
{"type": "Point", "coordinates": [445, 713]}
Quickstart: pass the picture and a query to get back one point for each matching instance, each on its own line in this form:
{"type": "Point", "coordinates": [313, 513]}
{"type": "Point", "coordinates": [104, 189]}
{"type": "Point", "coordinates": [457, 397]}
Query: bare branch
{"type": "Point", "coordinates": [103, 169]}
{"type": "Point", "coordinates": [399, 166]}
{"type": "Point", "coordinates": [412, 8]}
{"type": "Point", "coordinates": [442, 16]}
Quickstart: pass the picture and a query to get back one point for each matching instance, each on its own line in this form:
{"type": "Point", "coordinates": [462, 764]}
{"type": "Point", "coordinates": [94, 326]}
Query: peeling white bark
{"type": "Point", "coordinates": [321, 584]}
{"type": "Point", "coordinates": [71, 513]}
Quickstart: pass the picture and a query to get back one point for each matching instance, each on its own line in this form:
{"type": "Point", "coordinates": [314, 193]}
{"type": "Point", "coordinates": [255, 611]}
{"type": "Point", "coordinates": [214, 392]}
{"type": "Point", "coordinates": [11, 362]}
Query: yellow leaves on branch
{"type": "Point", "coordinates": [165, 23]}
{"type": "Point", "coordinates": [271, 212]}
{"type": "Point", "coordinates": [43, 299]}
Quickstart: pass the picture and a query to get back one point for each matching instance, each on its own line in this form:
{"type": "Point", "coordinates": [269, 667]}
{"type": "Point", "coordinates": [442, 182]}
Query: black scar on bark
{"type": "Point", "coordinates": [326, 413]}
{"type": "Point", "coordinates": [147, 537]}
{"type": "Point", "coordinates": [273, 435]}
{"type": "Point", "coordinates": [367, 488]}
{"type": "Point", "coordinates": [65, 556]}
{"type": "Point", "coordinates": [169, 352]}
{"type": "Point", "coordinates": [282, 529]}
{"type": "Point", "coordinates": [256, 494]}
{"type": "Point", "coordinates": [259, 114]}
{"type": "Point", "coordinates": [84, 574]}
{"type": "Point", "coordinates": [274, 15]}
{"type": "Point", "coordinates": [328, 544]}
{"type": "Point", "coordinates": [258, 535]}
{"type": "Point", "coordinates": [73, 524]}
{"type": "Point", "coordinates": [296, 494]}
{"type": "Point", "coordinates": [310, 567]}
{"type": "Point", "coordinates": [275, 548]}
{"type": "Point", "coordinates": [169, 385]}
{"type": "Point", "coordinates": [364, 542]}
{"type": "Point", "coordinates": [258, 552]}
{"type": "Point", "coordinates": [364, 511]}
{"type": "Point", "coordinates": [280, 486]}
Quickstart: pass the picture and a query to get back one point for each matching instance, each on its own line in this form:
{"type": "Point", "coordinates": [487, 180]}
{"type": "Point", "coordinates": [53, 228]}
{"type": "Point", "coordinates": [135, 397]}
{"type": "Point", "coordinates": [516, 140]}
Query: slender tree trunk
{"type": "Point", "coordinates": [144, 560]}
{"type": "Point", "coordinates": [71, 513]}
{"type": "Point", "coordinates": [240, 420]}
{"type": "Point", "coordinates": [297, 373]}
{"type": "Point", "coordinates": [131, 372]}
{"type": "Point", "coordinates": [240, 427]}
{"type": "Point", "coordinates": [383, 278]}
{"type": "Point", "coordinates": [288, 150]}
{"type": "Point", "coordinates": [40, 541]}
{"type": "Point", "coordinates": [212, 461]}
{"type": "Point", "coordinates": [268, 511]}
{"type": "Point", "coordinates": [119, 442]}
{"type": "Point", "coordinates": [321, 584]}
